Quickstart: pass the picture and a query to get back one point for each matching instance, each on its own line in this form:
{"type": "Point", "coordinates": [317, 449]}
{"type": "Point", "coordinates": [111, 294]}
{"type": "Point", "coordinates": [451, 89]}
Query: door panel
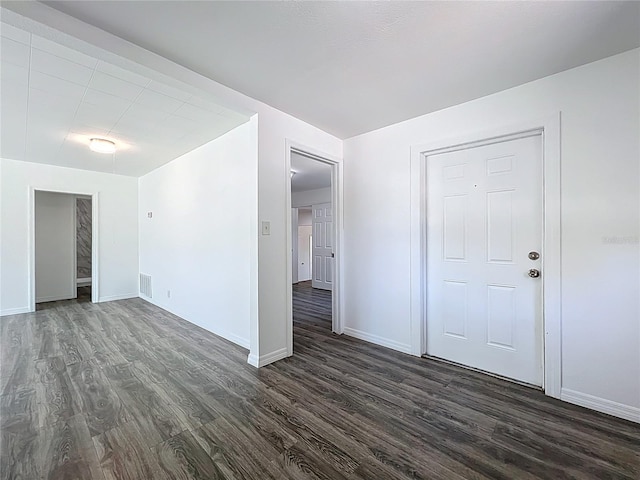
{"type": "Point", "coordinates": [55, 246]}
{"type": "Point", "coordinates": [484, 215]}
{"type": "Point", "coordinates": [322, 219]}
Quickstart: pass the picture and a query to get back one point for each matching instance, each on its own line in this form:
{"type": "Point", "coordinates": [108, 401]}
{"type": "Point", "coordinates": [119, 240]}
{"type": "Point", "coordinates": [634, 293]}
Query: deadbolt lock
{"type": "Point", "coordinates": [534, 273]}
{"type": "Point", "coordinates": [534, 255]}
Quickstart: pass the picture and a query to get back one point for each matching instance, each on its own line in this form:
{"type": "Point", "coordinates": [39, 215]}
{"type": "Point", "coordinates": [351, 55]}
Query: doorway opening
{"type": "Point", "coordinates": [63, 263]}
{"type": "Point", "coordinates": [313, 234]}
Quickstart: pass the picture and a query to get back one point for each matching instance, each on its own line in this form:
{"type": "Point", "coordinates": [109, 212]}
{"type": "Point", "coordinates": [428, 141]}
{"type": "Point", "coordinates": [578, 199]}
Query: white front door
{"type": "Point", "coordinates": [322, 222]}
{"type": "Point", "coordinates": [484, 217]}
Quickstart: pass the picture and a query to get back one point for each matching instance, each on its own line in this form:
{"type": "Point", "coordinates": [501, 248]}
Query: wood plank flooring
{"type": "Point", "coordinates": [124, 390]}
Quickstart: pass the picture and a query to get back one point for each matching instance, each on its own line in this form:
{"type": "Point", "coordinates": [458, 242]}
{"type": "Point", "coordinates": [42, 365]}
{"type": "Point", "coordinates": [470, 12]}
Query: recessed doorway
{"type": "Point", "coordinates": [63, 246]}
{"type": "Point", "coordinates": [314, 241]}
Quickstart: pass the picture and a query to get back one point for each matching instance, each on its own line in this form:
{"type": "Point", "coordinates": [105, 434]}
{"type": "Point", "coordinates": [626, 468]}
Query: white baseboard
{"type": "Point", "coordinates": [601, 405]}
{"type": "Point", "coordinates": [54, 298]}
{"type": "Point", "coordinates": [238, 340]}
{"type": "Point", "coordinates": [14, 311]}
{"type": "Point", "coordinates": [268, 358]}
{"type": "Point", "coordinates": [252, 360]}
{"type": "Point", "coordinates": [383, 342]}
{"type": "Point", "coordinates": [111, 298]}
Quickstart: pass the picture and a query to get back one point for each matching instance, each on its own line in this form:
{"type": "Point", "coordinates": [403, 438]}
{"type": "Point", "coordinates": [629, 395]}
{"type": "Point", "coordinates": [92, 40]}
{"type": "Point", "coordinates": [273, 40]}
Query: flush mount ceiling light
{"type": "Point", "coordinates": [102, 145]}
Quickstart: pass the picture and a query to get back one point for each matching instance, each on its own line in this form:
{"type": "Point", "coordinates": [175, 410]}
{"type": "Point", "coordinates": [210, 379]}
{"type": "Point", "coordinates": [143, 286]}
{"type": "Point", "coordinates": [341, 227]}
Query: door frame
{"type": "Point", "coordinates": [549, 129]}
{"type": "Point", "coordinates": [337, 297]}
{"type": "Point", "coordinates": [95, 262]}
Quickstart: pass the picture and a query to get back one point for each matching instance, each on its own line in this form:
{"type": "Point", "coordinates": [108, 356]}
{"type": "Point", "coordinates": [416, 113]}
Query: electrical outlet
{"type": "Point", "coordinates": [266, 228]}
{"type": "Point", "coordinates": [149, 214]}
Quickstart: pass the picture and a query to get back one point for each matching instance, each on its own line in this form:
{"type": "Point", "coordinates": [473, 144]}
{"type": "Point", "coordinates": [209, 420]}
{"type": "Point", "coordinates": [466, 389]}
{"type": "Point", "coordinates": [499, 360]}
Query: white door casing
{"type": "Point", "coordinates": [322, 222]}
{"type": "Point", "coordinates": [337, 194]}
{"type": "Point", "coordinates": [484, 215]}
{"type": "Point", "coordinates": [95, 241]}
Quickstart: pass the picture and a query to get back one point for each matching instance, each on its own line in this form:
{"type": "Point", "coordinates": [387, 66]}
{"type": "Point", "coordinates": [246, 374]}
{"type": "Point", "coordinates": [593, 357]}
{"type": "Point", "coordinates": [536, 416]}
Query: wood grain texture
{"type": "Point", "coordinates": [125, 390]}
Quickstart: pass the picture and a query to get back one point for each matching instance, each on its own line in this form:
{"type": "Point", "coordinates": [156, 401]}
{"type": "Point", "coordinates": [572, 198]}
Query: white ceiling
{"type": "Point", "coordinates": [350, 67]}
{"type": "Point", "coordinates": [310, 174]}
{"type": "Point", "coordinates": [55, 98]}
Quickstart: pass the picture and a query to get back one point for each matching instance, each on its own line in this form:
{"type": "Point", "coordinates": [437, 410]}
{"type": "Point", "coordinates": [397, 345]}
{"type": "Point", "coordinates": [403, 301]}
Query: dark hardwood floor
{"type": "Point", "coordinates": [124, 390]}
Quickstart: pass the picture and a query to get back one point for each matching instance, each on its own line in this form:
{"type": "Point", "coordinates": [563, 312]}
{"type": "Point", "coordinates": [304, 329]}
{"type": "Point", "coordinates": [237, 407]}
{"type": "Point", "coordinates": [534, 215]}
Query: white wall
{"type": "Point", "coordinates": [118, 224]}
{"type": "Point", "coordinates": [275, 128]}
{"type": "Point", "coordinates": [197, 243]}
{"type": "Point", "coordinates": [311, 197]}
{"type": "Point", "coordinates": [304, 216]}
{"type": "Point", "coordinates": [268, 253]}
{"type": "Point", "coordinates": [600, 221]}
{"type": "Point", "coordinates": [55, 251]}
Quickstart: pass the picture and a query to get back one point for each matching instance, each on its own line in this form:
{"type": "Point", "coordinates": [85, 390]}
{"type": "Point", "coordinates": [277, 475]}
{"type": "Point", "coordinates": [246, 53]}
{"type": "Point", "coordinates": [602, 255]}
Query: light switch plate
{"type": "Point", "coordinates": [266, 228]}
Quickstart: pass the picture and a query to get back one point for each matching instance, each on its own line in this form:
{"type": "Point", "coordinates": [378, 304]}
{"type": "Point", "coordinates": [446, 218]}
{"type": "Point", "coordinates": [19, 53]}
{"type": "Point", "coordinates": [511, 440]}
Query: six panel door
{"type": "Point", "coordinates": [322, 269]}
{"type": "Point", "coordinates": [484, 217]}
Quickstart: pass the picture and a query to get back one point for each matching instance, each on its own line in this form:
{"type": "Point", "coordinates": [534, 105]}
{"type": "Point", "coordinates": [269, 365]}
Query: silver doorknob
{"type": "Point", "coordinates": [534, 273]}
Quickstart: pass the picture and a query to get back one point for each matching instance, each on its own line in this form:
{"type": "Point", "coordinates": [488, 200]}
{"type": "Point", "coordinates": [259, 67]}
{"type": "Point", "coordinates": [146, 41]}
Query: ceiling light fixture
{"type": "Point", "coordinates": [102, 145]}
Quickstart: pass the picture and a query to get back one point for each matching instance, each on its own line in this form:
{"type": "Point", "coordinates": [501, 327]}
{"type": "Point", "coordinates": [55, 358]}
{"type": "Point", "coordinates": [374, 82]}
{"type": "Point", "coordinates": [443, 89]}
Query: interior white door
{"type": "Point", "coordinates": [304, 253]}
{"type": "Point", "coordinates": [484, 217]}
{"type": "Point", "coordinates": [322, 222]}
{"type": "Point", "coordinates": [55, 246]}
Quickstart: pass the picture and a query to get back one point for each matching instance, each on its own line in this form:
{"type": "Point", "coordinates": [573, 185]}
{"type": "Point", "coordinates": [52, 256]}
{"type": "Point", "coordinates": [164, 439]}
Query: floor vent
{"type": "Point", "coordinates": [145, 285]}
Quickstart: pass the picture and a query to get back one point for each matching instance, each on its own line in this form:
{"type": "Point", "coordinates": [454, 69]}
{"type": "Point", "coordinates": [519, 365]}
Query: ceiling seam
{"type": "Point", "coordinates": [75, 113]}
{"type": "Point", "coordinates": [132, 102]}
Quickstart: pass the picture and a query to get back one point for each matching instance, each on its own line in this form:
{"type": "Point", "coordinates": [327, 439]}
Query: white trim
{"type": "Point", "coordinates": [74, 246]}
{"type": "Point", "coordinates": [252, 360]}
{"type": "Point", "coordinates": [337, 204]}
{"type": "Point", "coordinates": [14, 311]}
{"type": "Point", "coordinates": [268, 358]}
{"type": "Point", "coordinates": [233, 338]}
{"type": "Point", "coordinates": [550, 128]}
{"type": "Point", "coordinates": [254, 324]}
{"type": "Point", "coordinates": [54, 298]}
{"type": "Point", "coordinates": [551, 263]}
{"type": "Point", "coordinates": [95, 247]}
{"type": "Point", "coordinates": [95, 232]}
{"type": "Point", "coordinates": [383, 342]}
{"type": "Point", "coordinates": [238, 340]}
{"type": "Point", "coordinates": [111, 298]}
{"type": "Point", "coordinates": [601, 405]}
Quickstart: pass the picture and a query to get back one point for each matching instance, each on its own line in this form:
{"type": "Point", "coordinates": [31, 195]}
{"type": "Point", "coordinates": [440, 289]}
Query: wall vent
{"type": "Point", "coordinates": [145, 285]}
